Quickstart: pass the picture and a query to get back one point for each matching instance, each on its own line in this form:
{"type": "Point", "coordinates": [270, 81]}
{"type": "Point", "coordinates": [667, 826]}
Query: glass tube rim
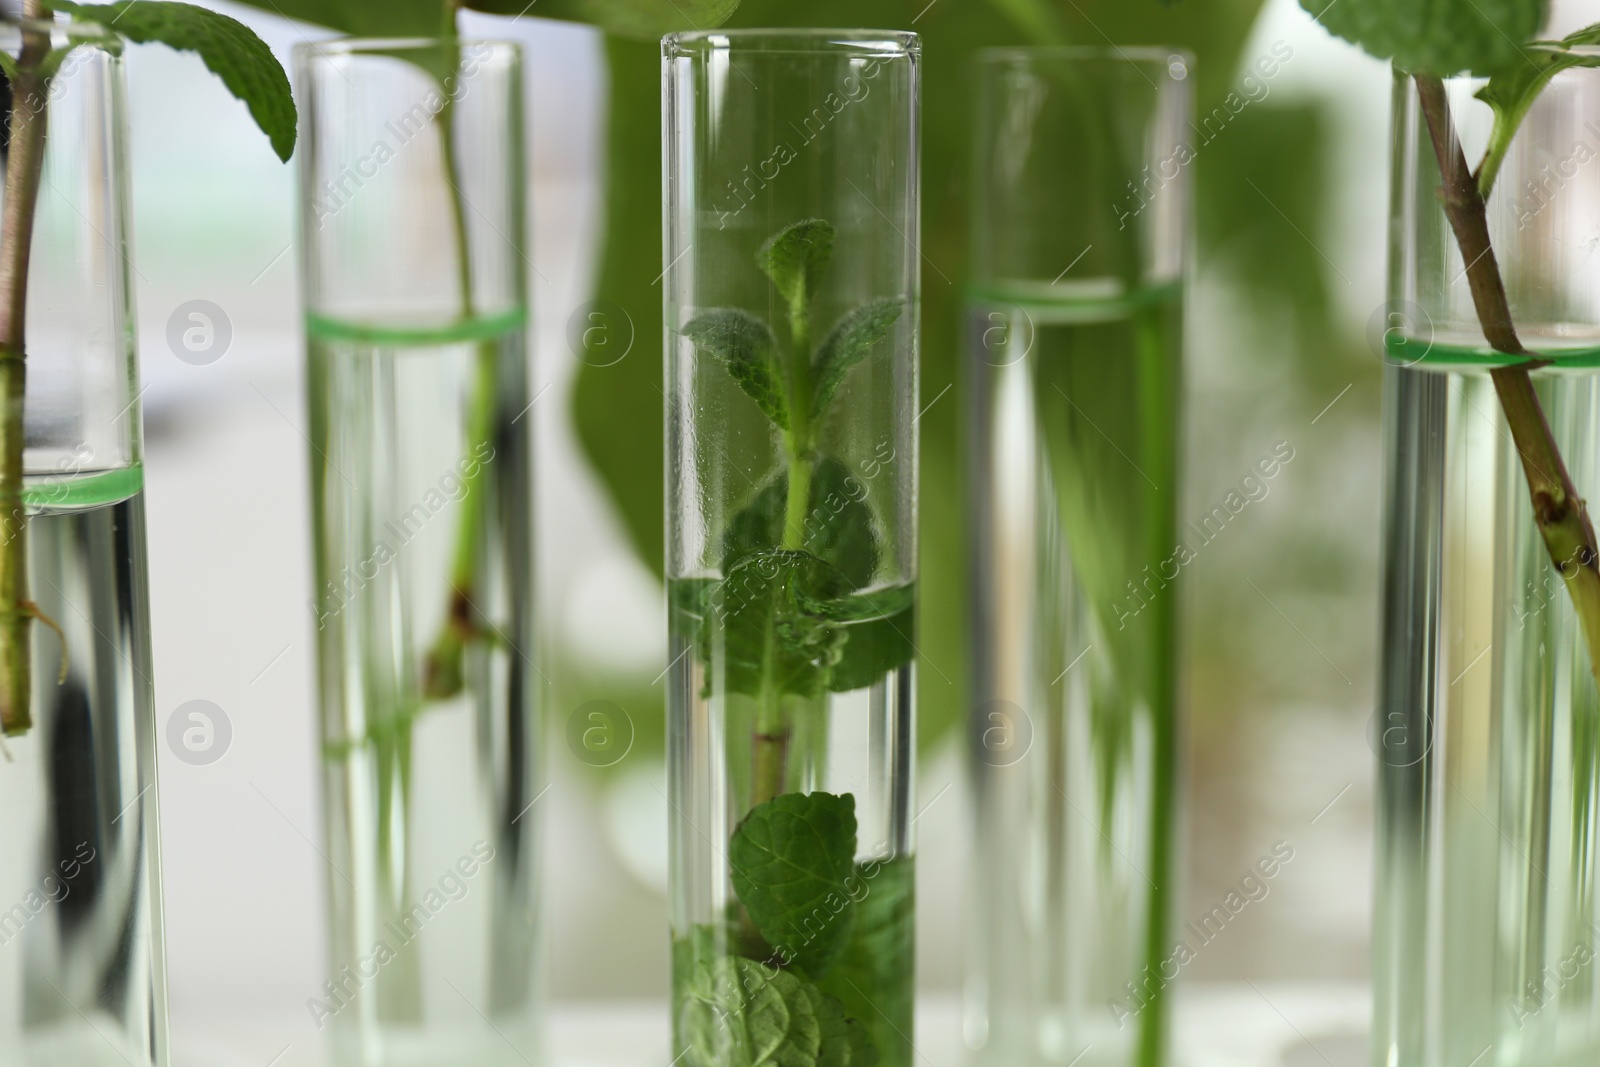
{"type": "Point", "coordinates": [352, 47]}
{"type": "Point", "coordinates": [1142, 57]}
{"type": "Point", "coordinates": [820, 41]}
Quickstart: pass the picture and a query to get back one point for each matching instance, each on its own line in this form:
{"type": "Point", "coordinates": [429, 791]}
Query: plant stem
{"type": "Point", "coordinates": [442, 671]}
{"type": "Point", "coordinates": [1158, 404]}
{"type": "Point", "coordinates": [1558, 510]}
{"type": "Point", "coordinates": [798, 502]}
{"type": "Point", "coordinates": [442, 675]}
{"type": "Point", "coordinates": [773, 729]}
{"type": "Point", "coordinates": [24, 166]}
{"type": "Point", "coordinates": [770, 762]}
{"type": "Point", "coordinates": [799, 436]}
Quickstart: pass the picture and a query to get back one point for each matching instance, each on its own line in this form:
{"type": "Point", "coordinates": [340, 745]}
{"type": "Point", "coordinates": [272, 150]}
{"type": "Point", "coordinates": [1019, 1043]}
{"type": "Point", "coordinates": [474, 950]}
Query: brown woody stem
{"type": "Point", "coordinates": [1560, 512]}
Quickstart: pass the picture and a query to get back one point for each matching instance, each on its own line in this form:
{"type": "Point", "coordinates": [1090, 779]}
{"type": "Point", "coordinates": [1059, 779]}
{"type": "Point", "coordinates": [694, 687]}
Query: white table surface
{"type": "Point", "coordinates": [1261, 1024]}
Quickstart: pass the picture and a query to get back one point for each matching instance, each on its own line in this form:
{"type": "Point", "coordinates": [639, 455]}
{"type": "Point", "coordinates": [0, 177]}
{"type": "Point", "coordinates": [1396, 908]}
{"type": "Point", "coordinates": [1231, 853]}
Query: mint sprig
{"type": "Point", "coordinates": [792, 859]}
{"type": "Point", "coordinates": [793, 617]}
{"type": "Point", "coordinates": [806, 540]}
{"type": "Point", "coordinates": [227, 47]}
{"type": "Point", "coordinates": [793, 386]}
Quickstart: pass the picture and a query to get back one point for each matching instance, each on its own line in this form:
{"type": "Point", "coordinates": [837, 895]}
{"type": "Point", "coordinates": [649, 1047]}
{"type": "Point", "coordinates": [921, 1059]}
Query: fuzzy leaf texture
{"type": "Point", "coordinates": [795, 258]}
{"type": "Point", "coordinates": [769, 639]}
{"type": "Point", "coordinates": [874, 630]}
{"type": "Point", "coordinates": [1440, 37]}
{"type": "Point", "coordinates": [740, 1013]}
{"type": "Point", "coordinates": [745, 345]}
{"type": "Point", "coordinates": [848, 343]}
{"type": "Point", "coordinates": [792, 858]}
{"type": "Point", "coordinates": [1512, 93]}
{"type": "Point", "coordinates": [640, 19]}
{"type": "Point", "coordinates": [227, 47]}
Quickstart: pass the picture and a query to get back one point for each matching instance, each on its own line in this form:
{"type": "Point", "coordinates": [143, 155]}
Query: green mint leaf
{"type": "Point", "coordinates": [228, 47]}
{"type": "Point", "coordinates": [846, 1041]}
{"type": "Point", "coordinates": [768, 637]}
{"type": "Point", "coordinates": [792, 859]}
{"type": "Point", "coordinates": [758, 526]}
{"type": "Point", "coordinates": [1513, 92]}
{"type": "Point", "coordinates": [795, 259]}
{"type": "Point", "coordinates": [873, 648]}
{"type": "Point", "coordinates": [739, 1013]}
{"type": "Point", "coordinates": [848, 343]}
{"type": "Point", "coordinates": [839, 526]}
{"type": "Point", "coordinates": [745, 345]}
{"type": "Point", "coordinates": [1439, 37]}
{"type": "Point", "coordinates": [869, 977]}
{"type": "Point", "coordinates": [868, 634]}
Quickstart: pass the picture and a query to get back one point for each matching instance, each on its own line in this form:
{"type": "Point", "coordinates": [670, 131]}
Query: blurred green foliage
{"type": "Point", "coordinates": [1260, 178]}
{"type": "Point", "coordinates": [643, 19]}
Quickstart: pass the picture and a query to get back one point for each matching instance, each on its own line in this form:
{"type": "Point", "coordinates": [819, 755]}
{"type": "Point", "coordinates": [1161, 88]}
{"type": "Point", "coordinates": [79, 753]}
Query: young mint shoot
{"type": "Point", "coordinates": [792, 568]}
{"type": "Point", "coordinates": [797, 618]}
